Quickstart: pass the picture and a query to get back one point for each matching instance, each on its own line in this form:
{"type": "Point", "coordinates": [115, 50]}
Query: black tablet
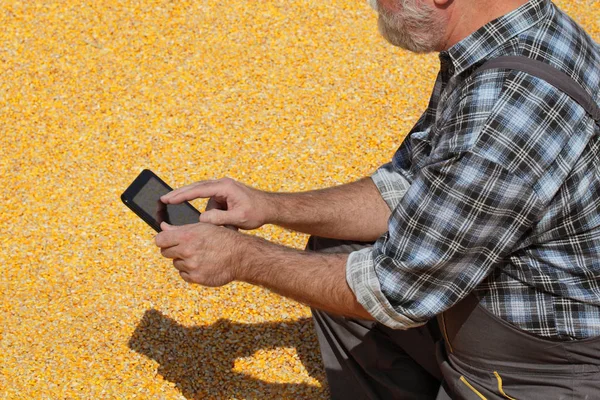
{"type": "Point", "coordinates": [143, 198]}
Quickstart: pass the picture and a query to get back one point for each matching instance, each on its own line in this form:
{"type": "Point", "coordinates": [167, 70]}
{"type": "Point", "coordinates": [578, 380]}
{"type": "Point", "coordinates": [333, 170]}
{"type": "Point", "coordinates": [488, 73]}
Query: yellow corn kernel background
{"type": "Point", "coordinates": [282, 95]}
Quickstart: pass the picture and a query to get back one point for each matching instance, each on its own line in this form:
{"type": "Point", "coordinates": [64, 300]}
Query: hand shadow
{"type": "Point", "coordinates": [198, 360]}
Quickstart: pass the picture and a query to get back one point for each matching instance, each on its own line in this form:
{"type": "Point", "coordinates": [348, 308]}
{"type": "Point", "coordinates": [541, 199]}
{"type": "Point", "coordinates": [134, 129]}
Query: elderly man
{"type": "Point", "coordinates": [483, 280]}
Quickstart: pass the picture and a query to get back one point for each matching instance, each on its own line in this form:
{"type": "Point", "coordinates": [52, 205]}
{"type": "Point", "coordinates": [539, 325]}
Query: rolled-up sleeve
{"type": "Point", "coordinates": [454, 223]}
{"type": "Point", "coordinates": [363, 281]}
{"type": "Point", "coordinates": [391, 184]}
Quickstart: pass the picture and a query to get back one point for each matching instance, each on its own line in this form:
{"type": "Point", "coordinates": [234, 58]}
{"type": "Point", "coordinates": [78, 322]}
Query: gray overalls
{"type": "Point", "coordinates": [467, 352]}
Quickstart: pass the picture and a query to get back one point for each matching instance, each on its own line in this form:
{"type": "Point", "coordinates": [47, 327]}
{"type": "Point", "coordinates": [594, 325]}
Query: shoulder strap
{"type": "Point", "coordinates": [553, 76]}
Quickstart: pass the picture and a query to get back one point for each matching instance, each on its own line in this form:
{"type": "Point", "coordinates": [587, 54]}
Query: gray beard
{"type": "Point", "coordinates": [417, 32]}
{"type": "Point", "coordinates": [400, 37]}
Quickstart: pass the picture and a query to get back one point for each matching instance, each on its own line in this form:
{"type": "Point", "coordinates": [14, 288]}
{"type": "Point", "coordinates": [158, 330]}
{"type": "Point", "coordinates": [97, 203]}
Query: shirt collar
{"type": "Point", "coordinates": [489, 37]}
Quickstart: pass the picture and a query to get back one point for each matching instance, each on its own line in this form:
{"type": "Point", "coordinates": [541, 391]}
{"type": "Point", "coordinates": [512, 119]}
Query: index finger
{"type": "Point", "coordinates": [193, 191]}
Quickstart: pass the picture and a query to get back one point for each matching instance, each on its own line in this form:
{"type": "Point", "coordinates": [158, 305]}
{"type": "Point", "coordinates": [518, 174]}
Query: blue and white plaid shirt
{"type": "Point", "coordinates": [496, 189]}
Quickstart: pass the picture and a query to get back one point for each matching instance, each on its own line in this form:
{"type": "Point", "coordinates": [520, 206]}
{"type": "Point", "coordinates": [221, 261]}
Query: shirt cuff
{"type": "Point", "coordinates": [390, 184]}
{"type": "Point", "coordinates": [363, 281]}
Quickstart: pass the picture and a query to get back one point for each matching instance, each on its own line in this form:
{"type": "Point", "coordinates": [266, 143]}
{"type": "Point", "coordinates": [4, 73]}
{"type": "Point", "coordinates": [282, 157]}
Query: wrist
{"type": "Point", "coordinates": [248, 252]}
{"type": "Point", "coordinates": [272, 208]}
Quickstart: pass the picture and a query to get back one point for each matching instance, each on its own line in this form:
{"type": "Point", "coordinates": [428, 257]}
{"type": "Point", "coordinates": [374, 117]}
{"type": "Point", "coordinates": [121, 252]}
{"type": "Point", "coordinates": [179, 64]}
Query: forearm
{"type": "Point", "coordinates": [354, 211]}
{"type": "Point", "coordinates": [315, 279]}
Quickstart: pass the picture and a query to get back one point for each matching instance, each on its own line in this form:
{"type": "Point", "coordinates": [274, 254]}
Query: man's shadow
{"type": "Point", "coordinates": [199, 360]}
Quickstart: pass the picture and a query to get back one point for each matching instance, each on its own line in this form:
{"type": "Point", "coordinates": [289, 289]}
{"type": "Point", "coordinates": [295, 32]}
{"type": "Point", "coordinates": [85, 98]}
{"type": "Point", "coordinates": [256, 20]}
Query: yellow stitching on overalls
{"type": "Point", "coordinates": [463, 380]}
{"type": "Point", "coordinates": [446, 333]}
{"type": "Point", "coordinates": [500, 386]}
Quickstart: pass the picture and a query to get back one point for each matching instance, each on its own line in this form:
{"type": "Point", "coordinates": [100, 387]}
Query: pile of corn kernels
{"type": "Point", "coordinates": [281, 95]}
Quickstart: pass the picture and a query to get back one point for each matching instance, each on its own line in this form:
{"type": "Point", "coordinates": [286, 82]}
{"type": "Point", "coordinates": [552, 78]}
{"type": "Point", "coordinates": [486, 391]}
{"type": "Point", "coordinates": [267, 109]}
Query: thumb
{"type": "Point", "coordinates": [166, 227]}
{"type": "Point", "coordinates": [216, 217]}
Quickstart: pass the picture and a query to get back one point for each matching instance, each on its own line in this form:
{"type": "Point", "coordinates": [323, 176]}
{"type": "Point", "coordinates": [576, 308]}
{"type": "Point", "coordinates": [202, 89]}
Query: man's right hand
{"type": "Point", "coordinates": [230, 202]}
{"type": "Point", "coordinates": [353, 211]}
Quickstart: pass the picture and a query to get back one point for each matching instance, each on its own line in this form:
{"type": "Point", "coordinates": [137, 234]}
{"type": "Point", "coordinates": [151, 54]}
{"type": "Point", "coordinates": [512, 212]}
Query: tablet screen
{"type": "Point", "coordinates": [148, 199]}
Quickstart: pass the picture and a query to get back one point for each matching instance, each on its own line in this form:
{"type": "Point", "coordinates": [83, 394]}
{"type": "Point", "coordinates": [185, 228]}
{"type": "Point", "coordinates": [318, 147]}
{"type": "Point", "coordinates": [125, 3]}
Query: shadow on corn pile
{"type": "Point", "coordinates": [199, 360]}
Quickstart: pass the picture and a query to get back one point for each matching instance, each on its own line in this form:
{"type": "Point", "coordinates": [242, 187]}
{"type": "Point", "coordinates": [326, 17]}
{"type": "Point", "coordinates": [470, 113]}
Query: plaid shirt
{"type": "Point", "coordinates": [496, 189]}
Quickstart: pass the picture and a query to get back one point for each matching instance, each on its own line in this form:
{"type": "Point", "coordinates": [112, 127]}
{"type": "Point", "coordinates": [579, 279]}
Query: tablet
{"type": "Point", "coordinates": [143, 198]}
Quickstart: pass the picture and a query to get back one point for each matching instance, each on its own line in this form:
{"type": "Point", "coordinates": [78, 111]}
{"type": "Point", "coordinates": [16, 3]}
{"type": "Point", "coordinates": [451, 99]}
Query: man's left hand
{"type": "Point", "coordinates": [202, 253]}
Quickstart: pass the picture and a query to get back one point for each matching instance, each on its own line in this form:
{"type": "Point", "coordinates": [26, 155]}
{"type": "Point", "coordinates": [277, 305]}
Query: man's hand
{"type": "Point", "coordinates": [202, 253]}
{"type": "Point", "coordinates": [214, 256]}
{"type": "Point", "coordinates": [354, 211]}
{"type": "Point", "coordinates": [231, 203]}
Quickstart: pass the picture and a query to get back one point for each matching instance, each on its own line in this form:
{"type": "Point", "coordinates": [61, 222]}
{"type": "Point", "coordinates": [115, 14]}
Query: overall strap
{"type": "Point", "coordinates": [553, 76]}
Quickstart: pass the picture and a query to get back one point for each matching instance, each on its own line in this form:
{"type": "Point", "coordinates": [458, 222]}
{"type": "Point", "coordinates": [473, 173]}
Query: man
{"type": "Point", "coordinates": [484, 277]}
